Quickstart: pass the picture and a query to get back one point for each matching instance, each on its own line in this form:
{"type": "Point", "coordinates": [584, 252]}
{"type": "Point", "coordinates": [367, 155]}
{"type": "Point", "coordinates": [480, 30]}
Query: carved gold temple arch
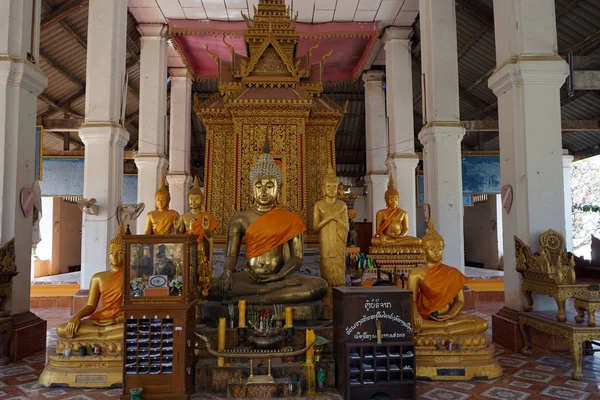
{"type": "Point", "coordinates": [270, 91]}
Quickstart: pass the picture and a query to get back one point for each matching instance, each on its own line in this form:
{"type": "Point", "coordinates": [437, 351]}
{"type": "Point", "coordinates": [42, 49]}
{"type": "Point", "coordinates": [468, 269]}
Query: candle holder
{"type": "Point", "coordinates": [289, 336]}
{"type": "Point", "coordinates": [241, 336]}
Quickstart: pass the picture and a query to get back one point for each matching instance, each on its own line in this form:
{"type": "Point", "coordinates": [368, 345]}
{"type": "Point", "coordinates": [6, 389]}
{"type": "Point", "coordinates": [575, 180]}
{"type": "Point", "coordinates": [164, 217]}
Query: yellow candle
{"type": "Point", "coordinates": [221, 342]}
{"type": "Point", "coordinates": [242, 314]}
{"type": "Point", "coordinates": [310, 338]}
{"type": "Point", "coordinates": [289, 322]}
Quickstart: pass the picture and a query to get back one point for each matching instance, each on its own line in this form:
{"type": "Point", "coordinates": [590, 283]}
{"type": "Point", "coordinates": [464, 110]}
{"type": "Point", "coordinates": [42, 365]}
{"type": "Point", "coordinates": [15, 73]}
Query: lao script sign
{"type": "Point", "coordinates": [365, 307]}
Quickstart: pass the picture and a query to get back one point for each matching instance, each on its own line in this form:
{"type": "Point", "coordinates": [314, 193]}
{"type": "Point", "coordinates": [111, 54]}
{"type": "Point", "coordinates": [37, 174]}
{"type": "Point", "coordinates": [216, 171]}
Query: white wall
{"type": "Point", "coordinates": [481, 233]}
{"type": "Point", "coordinates": [44, 248]}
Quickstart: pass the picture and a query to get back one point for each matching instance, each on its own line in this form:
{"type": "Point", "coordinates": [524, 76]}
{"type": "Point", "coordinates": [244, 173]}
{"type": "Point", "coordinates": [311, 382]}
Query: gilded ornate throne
{"type": "Point", "coordinates": [551, 272]}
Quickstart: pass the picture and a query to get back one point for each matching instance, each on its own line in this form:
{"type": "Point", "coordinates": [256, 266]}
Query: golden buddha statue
{"type": "Point", "coordinates": [104, 324]}
{"type": "Point", "coordinates": [161, 221]}
{"type": "Point", "coordinates": [274, 247]}
{"type": "Point", "coordinates": [392, 222]}
{"type": "Point", "coordinates": [330, 221]}
{"type": "Point", "coordinates": [197, 221]}
{"type": "Point", "coordinates": [438, 293]}
{"type": "Point", "coordinates": [448, 345]}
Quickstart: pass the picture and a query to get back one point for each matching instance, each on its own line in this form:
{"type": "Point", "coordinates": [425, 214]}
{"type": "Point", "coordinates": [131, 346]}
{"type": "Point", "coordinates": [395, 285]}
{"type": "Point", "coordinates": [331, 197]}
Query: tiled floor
{"type": "Point", "coordinates": [538, 377]}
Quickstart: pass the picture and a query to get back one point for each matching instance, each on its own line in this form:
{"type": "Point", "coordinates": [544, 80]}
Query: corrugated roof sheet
{"type": "Point", "coordinates": [578, 27]}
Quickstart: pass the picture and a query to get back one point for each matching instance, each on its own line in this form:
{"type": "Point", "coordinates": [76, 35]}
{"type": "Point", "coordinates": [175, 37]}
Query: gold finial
{"type": "Point", "coordinates": [310, 50]}
{"type": "Point", "coordinates": [432, 235]}
{"type": "Point", "coordinates": [391, 191]}
{"type": "Point", "coordinates": [196, 187]}
{"type": "Point", "coordinates": [162, 190]}
{"type": "Point", "coordinates": [245, 19]}
{"type": "Point", "coordinates": [230, 47]}
{"type": "Point", "coordinates": [118, 240]}
{"type": "Point", "coordinates": [330, 175]}
{"type": "Point", "coordinates": [327, 54]}
{"type": "Point", "coordinates": [267, 145]}
{"type": "Point", "coordinates": [216, 57]}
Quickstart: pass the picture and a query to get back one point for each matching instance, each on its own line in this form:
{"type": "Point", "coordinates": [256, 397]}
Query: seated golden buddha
{"type": "Point", "coordinates": [392, 223]}
{"type": "Point", "coordinates": [438, 293]}
{"type": "Point", "coordinates": [106, 323]}
{"type": "Point", "coordinates": [161, 221]}
{"type": "Point", "coordinates": [274, 247]}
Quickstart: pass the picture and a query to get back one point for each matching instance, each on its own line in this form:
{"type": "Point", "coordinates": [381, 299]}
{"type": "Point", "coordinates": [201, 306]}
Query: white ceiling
{"type": "Point", "coordinates": [389, 12]}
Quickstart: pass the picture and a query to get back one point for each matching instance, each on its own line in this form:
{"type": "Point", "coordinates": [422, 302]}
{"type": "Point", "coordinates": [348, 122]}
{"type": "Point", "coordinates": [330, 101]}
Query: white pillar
{"type": "Point", "coordinates": [376, 142]}
{"type": "Point", "coordinates": [567, 162]}
{"type": "Point", "coordinates": [151, 160]}
{"type": "Point", "coordinates": [402, 159]}
{"type": "Point", "coordinates": [20, 83]}
{"type": "Point", "coordinates": [442, 133]}
{"type": "Point", "coordinates": [180, 139]}
{"type": "Point", "coordinates": [527, 82]}
{"type": "Point", "coordinates": [102, 133]}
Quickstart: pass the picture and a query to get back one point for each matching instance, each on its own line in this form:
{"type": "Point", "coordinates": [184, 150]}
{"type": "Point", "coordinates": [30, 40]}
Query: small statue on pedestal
{"type": "Point", "coordinates": [161, 221]}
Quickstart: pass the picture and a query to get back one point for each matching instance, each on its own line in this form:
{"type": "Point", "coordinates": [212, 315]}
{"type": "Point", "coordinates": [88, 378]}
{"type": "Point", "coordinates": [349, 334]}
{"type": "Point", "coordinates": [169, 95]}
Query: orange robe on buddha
{"type": "Point", "coordinates": [439, 286]}
{"type": "Point", "coordinates": [386, 223]}
{"type": "Point", "coordinates": [272, 229]}
{"type": "Point", "coordinates": [112, 296]}
{"type": "Point", "coordinates": [165, 225]}
{"type": "Point", "coordinates": [197, 225]}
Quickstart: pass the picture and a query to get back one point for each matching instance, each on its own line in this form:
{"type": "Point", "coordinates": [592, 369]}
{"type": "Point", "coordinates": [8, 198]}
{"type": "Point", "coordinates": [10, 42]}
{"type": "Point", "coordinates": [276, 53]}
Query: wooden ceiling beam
{"type": "Point", "coordinates": [566, 125]}
{"type": "Point", "coordinates": [62, 125]}
{"type": "Point", "coordinates": [61, 12]}
{"type": "Point", "coordinates": [65, 104]}
{"type": "Point", "coordinates": [53, 103]}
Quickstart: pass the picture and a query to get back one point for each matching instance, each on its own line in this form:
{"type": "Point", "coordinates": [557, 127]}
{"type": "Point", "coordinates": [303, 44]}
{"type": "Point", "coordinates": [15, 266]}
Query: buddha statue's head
{"type": "Point", "coordinates": [433, 244]}
{"type": "Point", "coordinates": [340, 190]}
{"type": "Point", "coordinates": [162, 196]}
{"type": "Point", "coordinates": [266, 179]}
{"type": "Point", "coordinates": [195, 196]}
{"type": "Point", "coordinates": [115, 248]}
{"type": "Point", "coordinates": [391, 194]}
{"type": "Point", "coordinates": [136, 250]}
{"type": "Point", "coordinates": [330, 185]}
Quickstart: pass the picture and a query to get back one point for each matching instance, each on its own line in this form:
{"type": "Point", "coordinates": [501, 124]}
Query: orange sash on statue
{"type": "Point", "coordinates": [386, 223]}
{"type": "Point", "coordinates": [440, 285]}
{"type": "Point", "coordinates": [197, 225]}
{"type": "Point", "coordinates": [112, 295]}
{"type": "Point", "coordinates": [164, 226]}
{"type": "Point", "coordinates": [271, 229]}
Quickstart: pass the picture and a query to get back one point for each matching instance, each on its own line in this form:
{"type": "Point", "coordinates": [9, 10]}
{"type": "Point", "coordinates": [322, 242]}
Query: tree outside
{"type": "Point", "coordinates": [585, 193]}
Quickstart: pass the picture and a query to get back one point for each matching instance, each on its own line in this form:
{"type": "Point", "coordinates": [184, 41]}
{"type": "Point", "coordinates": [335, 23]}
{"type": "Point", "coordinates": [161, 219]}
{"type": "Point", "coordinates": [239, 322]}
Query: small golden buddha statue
{"type": "Point", "coordinates": [341, 194]}
{"type": "Point", "coordinates": [392, 222]}
{"type": "Point", "coordinates": [330, 221]}
{"type": "Point", "coordinates": [274, 247]}
{"type": "Point", "coordinates": [161, 221]}
{"type": "Point", "coordinates": [105, 324]}
{"type": "Point", "coordinates": [438, 293]}
{"type": "Point", "coordinates": [197, 221]}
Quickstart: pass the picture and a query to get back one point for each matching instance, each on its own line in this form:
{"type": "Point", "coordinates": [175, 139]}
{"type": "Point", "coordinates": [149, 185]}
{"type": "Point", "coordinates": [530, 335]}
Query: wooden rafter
{"type": "Point", "coordinates": [61, 69]}
{"type": "Point", "coordinates": [65, 104]}
{"type": "Point", "coordinates": [61, 12]}
{"type": "Point", "coordinates": [53, 103]}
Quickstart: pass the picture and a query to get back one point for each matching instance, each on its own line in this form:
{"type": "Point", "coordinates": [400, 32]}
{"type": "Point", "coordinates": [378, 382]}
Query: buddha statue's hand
{"type": "Point", "coordinates": [417, 322]}
{"type": "Point", "coordinates": [225, 282]}
{"type": "Point", "coordinates": [72, 326]}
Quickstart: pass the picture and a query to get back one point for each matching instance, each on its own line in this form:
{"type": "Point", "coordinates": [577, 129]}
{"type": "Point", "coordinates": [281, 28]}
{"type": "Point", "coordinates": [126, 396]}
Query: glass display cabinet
{"type": "Point", "coordinates": [159, 299]}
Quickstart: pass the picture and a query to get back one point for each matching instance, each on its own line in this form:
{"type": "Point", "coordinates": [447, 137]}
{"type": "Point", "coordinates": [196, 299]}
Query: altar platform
{"type": "Point", "coordinates": [535, 377]}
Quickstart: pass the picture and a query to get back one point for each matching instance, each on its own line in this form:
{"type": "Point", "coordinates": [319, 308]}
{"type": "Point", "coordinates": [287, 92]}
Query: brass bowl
{"type": "Point", "coordinates": [265, 342]}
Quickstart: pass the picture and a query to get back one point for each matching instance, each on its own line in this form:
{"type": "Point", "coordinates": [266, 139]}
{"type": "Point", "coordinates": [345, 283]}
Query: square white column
{"type": "Point", "coordinates": [102, 133]}
{"type": "Point", "coordinates": [402, 159]}
{"type": "Point", "coordinates": [527, 84]}
{"type": "Point", "coordinates": [151, 160]}
{"type": "Point", "coordinates": [180, 139]}
{"type": "Point", "coordinates": [20, 84]}
{"type": "Point", "coordinates": [376, 142]}
{"type": "Point", "coordinates": [567, 163]}
{"type": "Point", "coordinates": [442, 134]}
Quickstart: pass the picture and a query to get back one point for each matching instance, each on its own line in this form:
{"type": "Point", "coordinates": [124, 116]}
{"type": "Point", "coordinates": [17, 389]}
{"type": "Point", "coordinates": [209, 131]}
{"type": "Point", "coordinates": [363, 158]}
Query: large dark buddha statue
{"type": "Point", "coordinates": [274, 247]}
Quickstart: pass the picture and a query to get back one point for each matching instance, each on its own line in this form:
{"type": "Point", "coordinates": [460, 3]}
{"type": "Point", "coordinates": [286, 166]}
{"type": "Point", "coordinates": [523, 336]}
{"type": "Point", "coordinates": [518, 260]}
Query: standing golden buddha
{"type": "Point", "coordinates": [161, 221]}
{"type": "Point", "coordinates": [330, 221]}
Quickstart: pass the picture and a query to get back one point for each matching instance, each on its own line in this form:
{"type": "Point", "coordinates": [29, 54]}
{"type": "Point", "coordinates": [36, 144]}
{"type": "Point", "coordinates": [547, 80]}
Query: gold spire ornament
{"type": "Point", "coordinates": [391, 190]}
